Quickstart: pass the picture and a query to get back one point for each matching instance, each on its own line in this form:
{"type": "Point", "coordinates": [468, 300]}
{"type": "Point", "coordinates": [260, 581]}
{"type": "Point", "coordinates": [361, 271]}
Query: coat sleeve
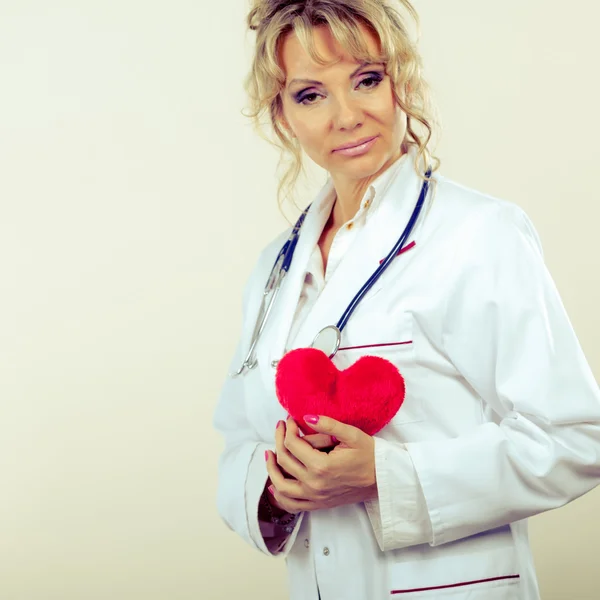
{"type": "Point", "coordinates": [506, 331]}
{"type": "Point", "coordinates": [398, 514]}
{"type": "Point", "coordinates": [242, 470]}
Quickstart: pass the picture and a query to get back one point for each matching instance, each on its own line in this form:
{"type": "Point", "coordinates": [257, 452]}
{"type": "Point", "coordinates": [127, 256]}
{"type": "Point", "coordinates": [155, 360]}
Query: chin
{"type": "Point", "coordinates": [364, 166]}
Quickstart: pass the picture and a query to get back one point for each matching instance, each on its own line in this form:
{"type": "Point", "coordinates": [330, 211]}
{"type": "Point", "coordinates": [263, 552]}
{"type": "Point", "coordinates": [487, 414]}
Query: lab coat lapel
{"type": "Point", "coordinates": [289, 295]}
{"type": "Point", "coordinates": [373, 243]}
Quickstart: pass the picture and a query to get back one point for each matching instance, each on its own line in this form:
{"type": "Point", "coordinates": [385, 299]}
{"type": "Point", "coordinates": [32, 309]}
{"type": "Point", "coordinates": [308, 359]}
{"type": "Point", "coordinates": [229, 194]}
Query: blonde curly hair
{"type": "Point", "coordinates": [273, 19]}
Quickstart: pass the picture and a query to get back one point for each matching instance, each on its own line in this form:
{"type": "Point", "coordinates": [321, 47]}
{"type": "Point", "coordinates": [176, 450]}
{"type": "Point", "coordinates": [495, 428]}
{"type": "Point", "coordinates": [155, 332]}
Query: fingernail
{"type": "Point", "coordinates": [266, 455]}
{"type": "Point", "coordinates": [312, 419]}
{"type": "Point", "coordinates": [334, 439]}
{"type": "Point", "coordinates": [279, 423]}
{"type": "Point", "coordinates": [272, 490]}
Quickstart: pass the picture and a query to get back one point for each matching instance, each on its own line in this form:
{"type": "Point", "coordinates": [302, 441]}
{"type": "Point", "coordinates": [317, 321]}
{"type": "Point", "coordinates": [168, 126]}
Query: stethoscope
{"type": "Point", "coordinates": [329, 338]}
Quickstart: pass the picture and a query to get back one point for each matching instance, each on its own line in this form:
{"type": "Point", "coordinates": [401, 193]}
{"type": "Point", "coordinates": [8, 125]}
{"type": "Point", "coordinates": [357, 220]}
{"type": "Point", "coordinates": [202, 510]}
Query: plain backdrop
{"type": "Point", "coordinates": [134, 200]}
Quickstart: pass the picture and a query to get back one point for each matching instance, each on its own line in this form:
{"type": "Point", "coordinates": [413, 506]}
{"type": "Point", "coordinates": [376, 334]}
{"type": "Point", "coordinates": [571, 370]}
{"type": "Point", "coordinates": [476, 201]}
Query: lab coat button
{"type": "Point", "coordinates": [326, 551]}
{"type": "Point", "coordinates": [306, 543]}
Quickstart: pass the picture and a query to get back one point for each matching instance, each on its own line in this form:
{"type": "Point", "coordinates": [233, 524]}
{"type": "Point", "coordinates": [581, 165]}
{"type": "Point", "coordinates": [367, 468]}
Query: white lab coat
{"type": "Point", "coordinates": [501, 417]}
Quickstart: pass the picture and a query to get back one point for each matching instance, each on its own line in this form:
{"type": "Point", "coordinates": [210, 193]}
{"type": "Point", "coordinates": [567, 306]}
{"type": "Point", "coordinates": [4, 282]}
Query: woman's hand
{"type": "Point", "coordinates": [316, 479]}
{"type": "Point", "coordinates": [319, 441]}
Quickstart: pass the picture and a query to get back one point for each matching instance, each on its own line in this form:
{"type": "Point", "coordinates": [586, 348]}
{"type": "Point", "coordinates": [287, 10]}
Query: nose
{"type": "Point", "coordinates": [347, 114]}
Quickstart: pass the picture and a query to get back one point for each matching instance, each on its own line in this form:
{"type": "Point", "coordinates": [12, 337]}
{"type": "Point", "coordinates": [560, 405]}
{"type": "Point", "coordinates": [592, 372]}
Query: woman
{"type": "Point", "coordinates": [501, 418]}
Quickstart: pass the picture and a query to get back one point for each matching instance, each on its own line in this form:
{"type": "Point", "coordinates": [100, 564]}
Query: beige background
{"type": "Point", "coordinates": [134, 199]}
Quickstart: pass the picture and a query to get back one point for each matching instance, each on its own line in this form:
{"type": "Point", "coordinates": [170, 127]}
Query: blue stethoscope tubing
{"type": "Point", "coordinates": [278, 272]}
{"type": "Point", "coordinates": [282, 265]}
{"type": "Point", "coordinates": [390, 257]}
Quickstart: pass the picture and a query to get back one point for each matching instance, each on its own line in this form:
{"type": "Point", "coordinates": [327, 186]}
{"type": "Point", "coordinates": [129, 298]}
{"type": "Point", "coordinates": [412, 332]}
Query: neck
{"type": "Point", "coordinates": [350, 192]}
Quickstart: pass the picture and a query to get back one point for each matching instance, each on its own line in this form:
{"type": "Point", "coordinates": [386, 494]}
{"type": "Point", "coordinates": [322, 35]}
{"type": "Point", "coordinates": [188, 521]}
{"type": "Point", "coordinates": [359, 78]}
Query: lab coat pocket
{"type": "Point", "coordinates": [391, 339]}
{"type": "Point", "coordinates": [503, 588]}
{"type": "Point", "coordinates": [480, 567]}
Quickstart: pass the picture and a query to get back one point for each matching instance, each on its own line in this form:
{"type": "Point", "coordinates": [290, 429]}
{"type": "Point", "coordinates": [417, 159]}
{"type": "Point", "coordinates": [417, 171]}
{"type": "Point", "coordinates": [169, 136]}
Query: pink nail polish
{"type": "Point", "coordinates": [312, 419]}
{"type": "Point", "coordinates": [266, 455]}
{"type": "Point", "coordinates": [272, 490]}
{"type": "Point", "coordinates": [334, 439]}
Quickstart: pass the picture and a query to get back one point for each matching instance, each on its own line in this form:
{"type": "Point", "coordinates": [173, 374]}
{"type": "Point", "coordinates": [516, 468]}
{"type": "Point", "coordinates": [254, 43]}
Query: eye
{"type": "Point", "coordinates": [374, 78]}
{"type": "Point", "coordinates": [307, 97]}
{"type": "Point", "coordinates": [371, 81]}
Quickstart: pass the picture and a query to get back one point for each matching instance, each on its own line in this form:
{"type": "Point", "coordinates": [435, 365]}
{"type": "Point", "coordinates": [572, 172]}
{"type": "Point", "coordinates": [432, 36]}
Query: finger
{"type": "Point", "coordinates": [279, 447]}
{"type": "Point", "coordinates": [290, 505]}
{"type": "Point", "coordinates": [288, 487]}
{"type": "Point", "coordinates": [274, 502]}
{"type": "Point", "coordinates": [347, 434]}
{"type": "Point", "coordinates": [319, 440]}
{"type": "Point", "coordinates": [299, 448]}
{"type": "Point", "coordinates": [271, 498]}
{"type": "Point", "coordinates": [287, 461]}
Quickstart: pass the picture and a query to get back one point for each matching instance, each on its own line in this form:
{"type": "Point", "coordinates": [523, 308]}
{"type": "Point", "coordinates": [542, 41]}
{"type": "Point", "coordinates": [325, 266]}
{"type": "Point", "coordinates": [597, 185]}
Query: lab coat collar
{"type": "Point", "coordinates": [369, 206]}
{"type": "Point", "coordinates": [379, 187]}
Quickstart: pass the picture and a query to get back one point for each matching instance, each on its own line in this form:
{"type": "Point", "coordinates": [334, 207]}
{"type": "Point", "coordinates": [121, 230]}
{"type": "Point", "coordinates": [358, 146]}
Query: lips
{"type": "Point", "coordinates": [354, 144]}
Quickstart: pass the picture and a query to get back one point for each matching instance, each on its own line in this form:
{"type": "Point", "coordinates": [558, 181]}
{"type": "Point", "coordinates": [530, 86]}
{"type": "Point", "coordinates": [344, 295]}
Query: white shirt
{"type": "Point", "coordinates": [501, 418]}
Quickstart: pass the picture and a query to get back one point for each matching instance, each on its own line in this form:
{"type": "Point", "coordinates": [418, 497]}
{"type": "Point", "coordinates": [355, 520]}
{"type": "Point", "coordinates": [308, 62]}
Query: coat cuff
{"type": "Point", "coordinates": [255, 484]}
{"type": "Point", "coordinates": [398, 515]}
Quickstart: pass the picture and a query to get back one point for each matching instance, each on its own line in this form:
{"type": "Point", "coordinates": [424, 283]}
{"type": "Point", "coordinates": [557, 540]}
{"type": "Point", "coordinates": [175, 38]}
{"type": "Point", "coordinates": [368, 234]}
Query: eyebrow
{"type": "Point", "coordinates": [315, 82]}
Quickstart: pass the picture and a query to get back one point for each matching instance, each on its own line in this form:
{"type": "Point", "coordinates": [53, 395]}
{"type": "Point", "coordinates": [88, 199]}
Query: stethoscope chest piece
{"type": "Point", "coordinates": [328, 340]}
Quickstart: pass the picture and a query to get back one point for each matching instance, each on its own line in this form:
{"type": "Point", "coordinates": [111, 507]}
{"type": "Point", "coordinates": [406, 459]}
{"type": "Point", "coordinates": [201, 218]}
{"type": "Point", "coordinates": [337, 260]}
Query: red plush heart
{"type": "Point", "coordinates": [366, 395]}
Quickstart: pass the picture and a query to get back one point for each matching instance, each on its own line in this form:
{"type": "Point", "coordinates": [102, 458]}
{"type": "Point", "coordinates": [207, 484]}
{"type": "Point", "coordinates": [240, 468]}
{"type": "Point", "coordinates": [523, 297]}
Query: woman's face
{"type": "Point", "coordinates": [326, 107]}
